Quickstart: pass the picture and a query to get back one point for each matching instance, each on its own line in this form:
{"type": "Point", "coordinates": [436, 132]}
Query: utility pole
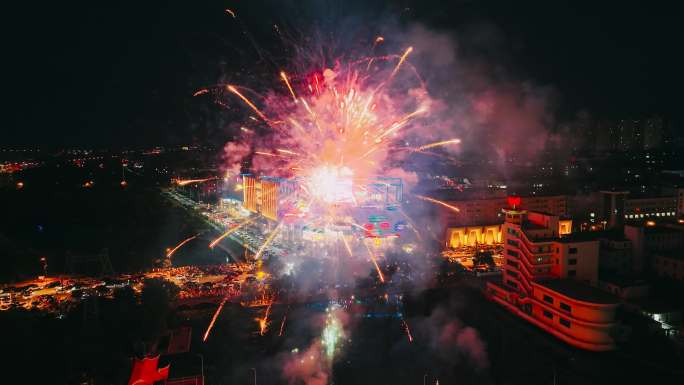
{"type": "Point", "coordinates": [254, 370]}
{"type": "Point", "coordinates": [43, 261]}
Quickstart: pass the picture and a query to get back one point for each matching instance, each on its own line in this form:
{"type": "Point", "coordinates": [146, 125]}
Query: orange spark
{"type": "Point", "coordinates": [263, 321]}
{"type": "Point", "coordinates": [438, 202]}
{"type": "Point", "coordinates": [436, 144]}
{"type": "Point", "coordinates": [227, 233]}
{"type": "Point", "coordinates": [266, 153]}
{"type": "Point", "coordinates": [379, 39]}
{"type": "Point", "coordinates": [400, 123]}
{"type": "Point", "coordinates": [267, 241]}
{"type": "Point", "coordinates": [230, 12]}
{"type": "Point", "coordinates": [408, 331]}
{"type": "Point", "coordinates": [347, 245]}
{"type": "Point", "coordinates": [401, 61]}
{"type": "Point", "coordinates": [375, 263]}
{"type": "Point", "coordinates": [201, 92]}
{"type": "Point", "coordinates": [170, 253]}
{"type": "Point", "coordinates": [286, 151]}
{"type": "Point", "coordinates": [184, 182]}
{"type": "Point", "coordinates": [234, 90]}
{"type": "Point", "coordinates": [213, 319]}
{"type": "Point", "coordinates": [283, 76]}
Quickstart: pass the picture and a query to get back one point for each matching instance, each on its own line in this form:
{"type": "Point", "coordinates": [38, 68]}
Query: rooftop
{"type": "Point", "coordinates": [579, 291]}
{"type": "Point", "coordinates": [622, 280]}
{"type": "Point", "coordinates": [182, 365]}
{"type": "Point", "coordinates": [527, 225]}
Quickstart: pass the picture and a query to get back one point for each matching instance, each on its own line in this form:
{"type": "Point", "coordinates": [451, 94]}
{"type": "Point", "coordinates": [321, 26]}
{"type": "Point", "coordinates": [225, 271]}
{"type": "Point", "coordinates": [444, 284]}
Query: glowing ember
{"type": "Point", "coordinates": [407, 330]}
{"type": "Point", "coordinates": [185, 182]}
{"type": "Point", "coordinates": [436, 144]}
{"type": "Point", "coordinates": [267, 241]}
{"type": "Point", "coordinates": [213, 319]}
{"type": "Point", "coordinates": [263, 321]}
{"type": "Point", "coordinates": [227, 233]}
{"type": "Point", "coordinates": [170, 253]}
{"type": "Point", "coordinates": [438, 202]}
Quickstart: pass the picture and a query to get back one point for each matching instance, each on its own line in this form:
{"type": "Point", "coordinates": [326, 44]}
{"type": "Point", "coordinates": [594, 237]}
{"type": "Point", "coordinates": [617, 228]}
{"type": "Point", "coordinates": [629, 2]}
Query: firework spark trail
{"type": "Point", "coordinates": [438, 202]}
{"type": "Point", "coordinates": [287, 151]}
{"type": "Point", "coordinates": [282, 325]}
{"type": "Point", "coordinates": [401, 61]}
{"type": "Point", "coordinates": [268, 241]}
{"type": "Point", "coordinates": [213, 319]}
{"type": "Point", "coordinates": [230, 12]}
{"type": "Point", "coordinates": [401, 123]}
{"type": "Point", "coordinates": [267, 154]}
{"type": "Point", "coordinates": [408, 331]}
{"type": "Point", "coordinates": [375, 263]}
{"type": "Point", "coordinates": [347, 245]}
{"type": "Point", "coordinates": [283, 76]}
{"type": "Point", "coordinates": [263, 321]}
{"type": "Point", "coordinates": [184, 182]}
{"type": "Point", "coordinates": [227, 233]}
{"type": "Point", "coordinates": [201, 92]}
{"type": "Point", "coordinates": [234, 90]}
{"type": "Point", "coordinates": [170, 253]}
{"type": "Point", "coordinates": [410, 221]}
{"type": "Point", "coordinates": [436, 144]}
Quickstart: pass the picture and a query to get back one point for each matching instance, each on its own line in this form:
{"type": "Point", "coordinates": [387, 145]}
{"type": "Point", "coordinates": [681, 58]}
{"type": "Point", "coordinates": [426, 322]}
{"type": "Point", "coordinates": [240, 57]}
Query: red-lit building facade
{"type": "Point", "coordinates": [548, 280]}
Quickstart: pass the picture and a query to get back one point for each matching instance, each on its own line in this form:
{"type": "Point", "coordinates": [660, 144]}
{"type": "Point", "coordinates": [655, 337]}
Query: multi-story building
{"type": "Point", "coordinates": [618, 207]}
{"type": "Point", "coordinates": [548, 278]}
{"type": "Point", "coordinates": [487, 210]}
{"type": "Point", "coordinates": [651, 237]}
{"type": "Point", "coordinates": [615, 255]}
{"type": "Point", "coordinates": [267, 195]}
{"type": "Point", "coordinates": [650, 207]}
{"type": "Point", "coordinates": [669, 264]}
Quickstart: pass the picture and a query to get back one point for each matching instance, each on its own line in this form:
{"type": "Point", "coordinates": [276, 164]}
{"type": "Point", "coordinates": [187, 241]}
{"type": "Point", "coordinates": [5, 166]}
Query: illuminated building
{"type": "Point", "coordinates": [267, 195]}
{"type": "Point", "coordinates": [487, 210]}
{"type": "Point", "coordinates": [547, 281]}
{"type": "Point", "coordinates": [619, 207]}
{"type": "Point", "coordinates": [473, 235]}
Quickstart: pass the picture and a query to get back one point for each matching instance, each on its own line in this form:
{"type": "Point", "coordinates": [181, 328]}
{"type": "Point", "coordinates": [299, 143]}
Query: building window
{"type": "Point", "coordinates": [573, 250]}
{"type": "Point", "coordinates": [512, 243]}
{"type": "Point", "coordinates": [548, 299]}
{"type": "Point", "coordinates": [565, 306]}
{"type": "Point", "coordinates": [548, 314]}
{"type": "Point", "coordinates": [572, 273]}
{"type": "Point", "coordinates": [572, 261]}
{"type": "Point", "coordinates": [564, 322]}
{"type": "Point", "coordinates": [512, 253]}
{"type": "Point", "coordinates": [512, 284]}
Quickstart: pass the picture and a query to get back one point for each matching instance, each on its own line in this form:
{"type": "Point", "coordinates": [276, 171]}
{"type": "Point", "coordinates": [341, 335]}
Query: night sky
{"type": "Point", "coordinates": [122, 73]}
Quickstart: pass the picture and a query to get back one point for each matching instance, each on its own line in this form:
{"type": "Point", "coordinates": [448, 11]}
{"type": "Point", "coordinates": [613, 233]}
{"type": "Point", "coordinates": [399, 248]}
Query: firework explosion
{"type": "Point", "coordinates": [332, 333]}
{"type": "Point", "coordinates": [332, 130]}
{"type": "Point", "coordinates": [336, 132]}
